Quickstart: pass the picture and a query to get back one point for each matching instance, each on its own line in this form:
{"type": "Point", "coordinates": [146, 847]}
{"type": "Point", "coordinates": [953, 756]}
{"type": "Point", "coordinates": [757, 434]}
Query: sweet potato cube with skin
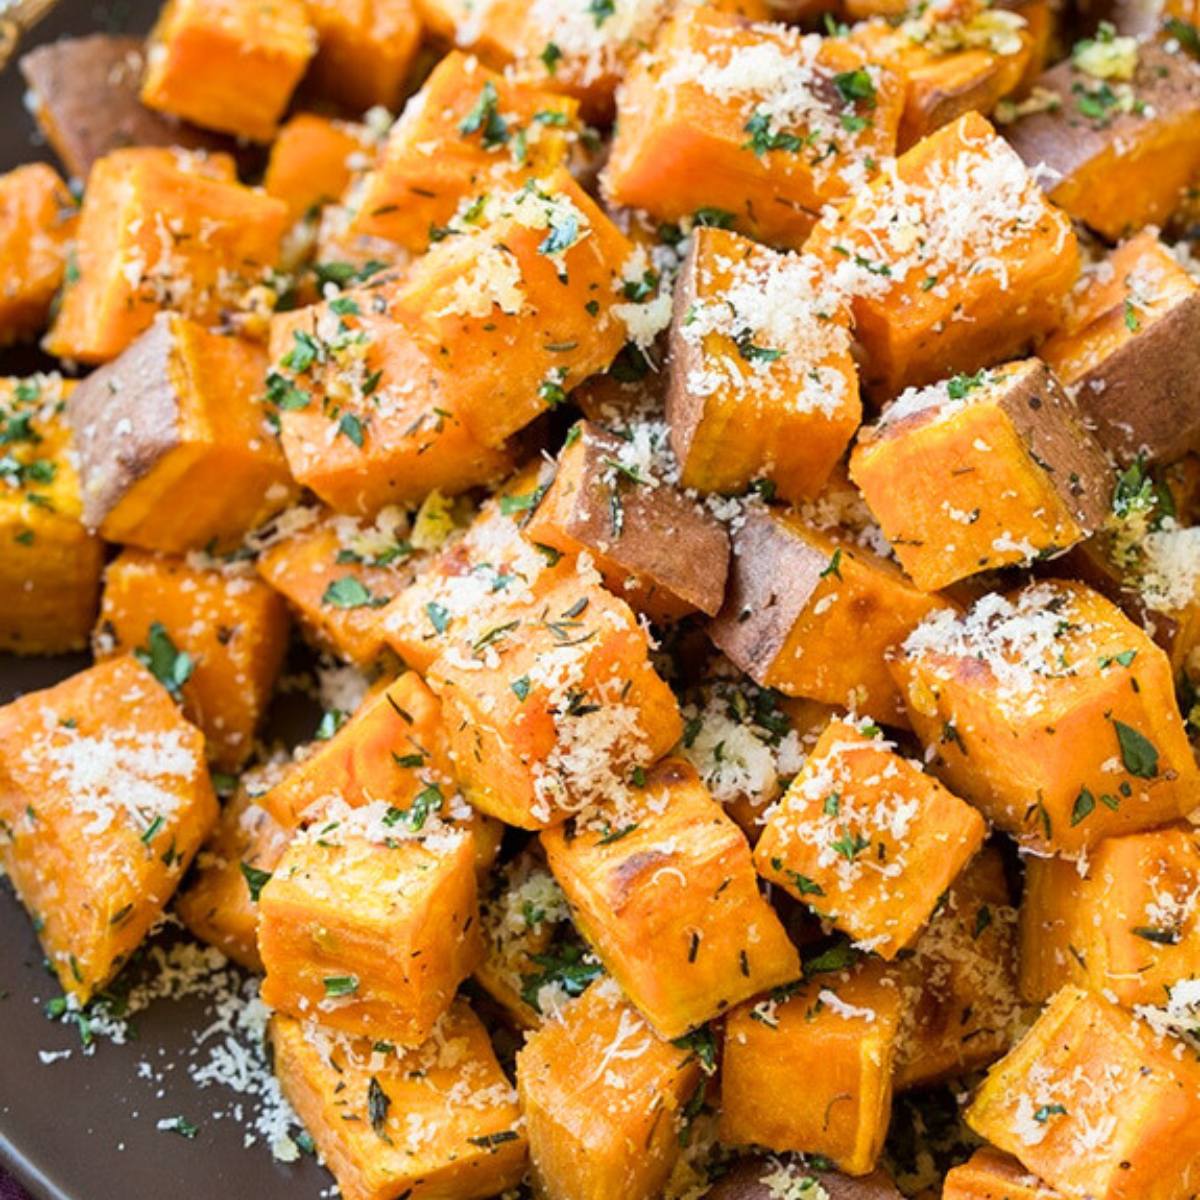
{"type": "Point", "coordinates": [758, 345]}
{"type": "Point", "coordinates": [961, 1006]}
{"type": "Point", "coordinates": [161, 229]}
{"type": "Point", "coordinates": [1096, 1104]}
{"type": "Point", "coordinates": [660, 551]}
{"type": "Point", "coordinates": [866, 838]}
{"type": "Point", "coordinates": [313, 161]}
{"type": "Point", "coordinates": [664, 891]}
{"type": "Point", "coordinates": [362, 1102]}
{"type": "Point", "coordinates": [835, 1032]}
{"type": "Point", "coordinates": [813, 616]}
{"type": "Point", "coordinates": [982, 471]}
{"type": "Point", "coordinates": [467, 130]}
{"type": "Point", "coordinates": [365, 49]}
{"type": "Point", "coordinates": [550, 709]}
{"type": "Point", "coordinates": [37, 219]}
{"type": "Point", "coordinates": [758, 120]}
{"type": "Point", "coordinates": [104, 799]}
{"type": "Point", "coordinates": [1051, 712]}
{"type": "Point", "coordinates": [230, 65]}
{"type": "Point", "coordinates": [1128, 352]}
{"type": "Point", "coordinates": [50, 565]}
{"type": "Point", "coordinates": [174, 451]}
{"type": "Point", "coordinates": [763, 1178]}
{"type": "Point", "coordinates": [993, 1175]}
{"type": "Point", "coordinates": [1131, 924]}
{"type": "Point", "coordinates": [953, 260]}
{"type": "Point", "coordinates": [520, 306]}
{"type": "Point", "coordinates": [603, 1098]}
{"type": "Point", "coordinates": [213, 636]}
{"type": "Point", "coordinates": [337, 573]}
{"type": "Point", "coordinates": [220, 904]}
{"type": "Point", "coordinates": [1128, 111]}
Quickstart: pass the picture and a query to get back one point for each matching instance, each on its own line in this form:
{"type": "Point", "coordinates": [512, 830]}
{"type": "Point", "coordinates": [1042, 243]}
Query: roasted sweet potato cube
{"type": "Point", "coordinates": [220, 904]}
{"type": "Point", "coordinates": [663, 888]}
{"type": "Point", "coordinates": [814, 616]}
{"type": "Point", "coordinates": [230, 65]}
{"type": "Point", "coordinates": [366, 419]}
{"type": "Point", "coordinates": [213, 636]}
{"type": "Point", "coordinates": [993, 1175]}
{"type": "Point", "coordinates": [1096, 1104]}
{"type": "Point", "coordinates": [1126, 352]}
{"type": "Point", "coordinates": [551, 708]}
{"type": "Point", "coordinates": [603, 1099]}
{"type": "Point", "coordinates": [961, 1007]}
{"type": "Point", "coordinates": [1129, 926]}
{"type": "Point", "coordinates": [50, 567]}
{"type": "Point", "coordinates": [758, 345]}
{"type": "Point", "coordinates": [982, 471]}
{"type": "Point", "coordinates": [174, 451]}
{"type": "Point", "coordinates": [757, 120]}
{"type": "Point", "coordinates": [1126, 111]}
{"type": "Point", "coordinates": [104, 798]}
{"type": "Point", "coordinates": [37, 219]}
{"type": "Point", "coordinates": [159, 230]}
{"type": "Point", "coordinates": [934, 253]}
{"type": "Point", "coordinates": [660, 551]}
{"type": "Point", "coordinates": [866, 838]}
{"type": "Point", "coordinates": [836, 1032]}
{"type": "Point", "coordinates": [762, 1178]}
{"type": "Point", "coordinates": [363, 1103]}
{"type": "Point", "coordinates": [467, 130]}
{"type": "Point", "coordinates": [313, 160]}
{"type": "Point", "coordinates": [365, 49]}
{"type": "Point", "coordinates": [1053, 713]}
{"type": "Point", "coordinates": [337, 572]}
{"type": "Point", "coordinates": [533, 284]}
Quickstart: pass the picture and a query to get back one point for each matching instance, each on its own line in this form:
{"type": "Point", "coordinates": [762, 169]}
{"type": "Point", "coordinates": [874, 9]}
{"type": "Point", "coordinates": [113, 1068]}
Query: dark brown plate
{"type": "Point", "coordinates": [84, 1128]}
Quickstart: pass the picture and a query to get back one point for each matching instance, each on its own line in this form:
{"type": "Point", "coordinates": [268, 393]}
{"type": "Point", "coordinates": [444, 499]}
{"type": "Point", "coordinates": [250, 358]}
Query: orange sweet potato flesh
{"type": "Point", "coordinates": [104, 799]}
{"type": "Point", "coordinates": [601, 1122]}
{"type": "Point", "coordinates": [365, 50]}
{"type": "Point", "coordinates": [232, 627]}
{"type": "Point", "coordinates": [474, 1143]}
{"type": "Point", "coordinates": [50, 570]}
{"type": "Point", "coordinates": [683, 952]}
{"type": "Point", "coordinates": [992, 1175]}
{"type": "Point", "coordinates": [312, 161]}
{"type": "Point", "coordinates": [835, 842]}
{"type": "Point", "coordinates": [1116, 1104]}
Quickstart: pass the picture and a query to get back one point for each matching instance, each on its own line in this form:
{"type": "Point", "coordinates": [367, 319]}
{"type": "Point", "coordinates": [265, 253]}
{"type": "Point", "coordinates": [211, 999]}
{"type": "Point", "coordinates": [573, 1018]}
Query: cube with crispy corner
{"type": "Point", "coordinates": [363, 1102]}
{"type": "Point", "coordinates": [104, 799]}
{"type": "Point", "coordinates": [982, 471]}
{"type": "Point", "coordinates": [213, 636]}
{"type": "Point", "coordinates": [220, 903]}
{"type": "Point", "coordinates": [229, 65]}
{"type": "Point", "coordinates": [954, 259]}
{"type": "Point", "coordinates": [1128, 352]}
{"type": "Point", "coordinates": [663, 553]}
{"type": "Point", "coordinates": [1096, 1104]}
{"type": "Point", "coordinates": [1053, 713]}
{"type": "Point", "coordinates": [365, 49]}
{"type": "Point", "coordinates": [766, 1178]}
{"type": "Point", "coordinates": [867, 839]}
{"type": "Point", "coordinates": [961, 1005]}
{"type": "Point", "coordinates": [161, 229]}
{"type": "Point", "coordinates": [837, 1032]}
{"type": "Point", "coordinates": [38, 217]}
{"type": "Point", "coordinates": [663, 888]}
{"type": "Point", "coordinates": [603, 1098]}
{"type": "Point", "coordinates": [813, 615]}
{"type": "Point", "coordinates": [993, 1175]}
{"type": "Point", "coordinates": [467, 130]}
{"type": "Point", "coordinates": [1129, 928]}
{"type": "Point", "coordinates": [553, 707]}
{"type": "Point", "coordinates": [370, 919]}
{"type": "Point", "coordinates": [727, 115]}
{"type": "Point", "coordinates": [50, 568]}
{"type": "Point", "coordinates": [313, 160]}
{"type": "Point", "coordinates": [761, 346]}
{"type": "Point", "coordinates": [174, 451]}
{"type": "Point", "coordinates": [1123, 143]}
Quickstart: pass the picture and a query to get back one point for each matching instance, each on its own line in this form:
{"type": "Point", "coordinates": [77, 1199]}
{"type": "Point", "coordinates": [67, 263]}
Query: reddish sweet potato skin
{"type": "Point", "coordinates": [745, 1182]}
